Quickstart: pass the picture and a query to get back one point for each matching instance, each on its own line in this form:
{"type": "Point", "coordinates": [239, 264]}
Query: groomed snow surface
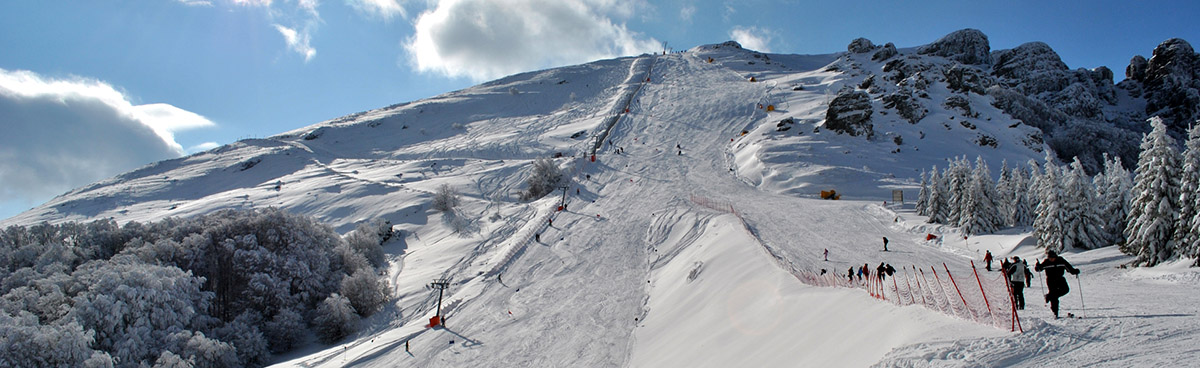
{"type": "Point", "coordinates": [640, 270]}
{"type": "Point", "coordinates": [636, 273]}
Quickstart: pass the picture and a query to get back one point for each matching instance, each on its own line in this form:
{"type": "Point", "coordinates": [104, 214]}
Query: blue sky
{"type": "Point", "coordinates": [90, 89]}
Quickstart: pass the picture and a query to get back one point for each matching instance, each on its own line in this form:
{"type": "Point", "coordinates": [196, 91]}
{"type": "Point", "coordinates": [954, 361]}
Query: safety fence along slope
{"type": "Point", "coordinates": [963, 292]}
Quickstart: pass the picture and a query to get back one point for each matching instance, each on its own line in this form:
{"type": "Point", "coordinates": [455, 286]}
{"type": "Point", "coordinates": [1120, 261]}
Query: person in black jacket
{"type": "Point", "coordinates": [1054, 266]}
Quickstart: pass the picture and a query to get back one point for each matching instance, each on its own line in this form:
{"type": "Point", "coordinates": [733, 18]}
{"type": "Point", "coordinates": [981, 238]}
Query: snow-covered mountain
{"type": "Point", "coordinates": [639, 270]}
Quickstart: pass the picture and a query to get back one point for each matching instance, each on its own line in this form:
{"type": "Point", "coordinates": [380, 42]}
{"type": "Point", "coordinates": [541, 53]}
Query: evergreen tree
{"type": "Point", "coordinates": [1083, 227]}
{"type": "Point", "coordinates": [980, 214]}
{"type": "Point", "coordinates": [923, 196]}
{"type": "Point", "coordinates": [1005, 195]}
{"type": "Point", "coordinates": [1022, 211]}
{"type": "Point", "coordinates": [1049, 215]}
{"type": "Point", "coordinates": [937, 201]}
{"type": "Point", "coordinates": [1116, 199]}
{"type": "Point", "coordinates": [1187, 230]}
{"type": "Point", "coordinates": [958, 178]}
{"type": "Point", "coordinates": [1154, 207]}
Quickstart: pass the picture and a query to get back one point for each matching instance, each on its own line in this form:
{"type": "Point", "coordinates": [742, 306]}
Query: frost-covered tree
{"type": "Point", "coordinates": [923, 195]}
{"type": "Point", "coordinates": [28, 343]}
{"type": "Point", "coordinates": [132, 306]}
{"type": "Point", "coordinates": [980, 214]}
{"type": "Point", "coordinates": [1187, 229]}
{"type": "Point", "coordinates": [1005, 195]}
{"type": "Point", "coordinates": [367, 239]}
{"type": "Point", "coordinates": [1022, 210]}
{"type": "Point", "coordinates": [335, 318]}
{"type": "Point", "coordinates": [545, 178]}
{"type": "Point", "coordinates": [1117, 185]}
{"type": "Point", "coordinates": [446, 198]}
{"type": "Point", "coordinates": [958, 179]}
{"type": "Point", "coordinates": [1049, 216]}
{"type": "Point", "coordinates": [366, 291]}
{"type": "Point", "coordinates": [937, 208]}
{"type": "Point", "coordinates": [1154, 207]}
{"type": "Point", "coordinates": [1083, 226]}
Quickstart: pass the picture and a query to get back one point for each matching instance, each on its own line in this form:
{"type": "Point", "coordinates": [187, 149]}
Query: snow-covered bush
{"type": "Point", "coordinates": [335, 318]}
{"type": "Point", "coordinates": [223, 289]}
{"type": "Point", "coordinates": [445, 199]}
{"type": "Point", "coordinates": [366, 291]}
{"type": "Point", "coordinates": [545, 178]}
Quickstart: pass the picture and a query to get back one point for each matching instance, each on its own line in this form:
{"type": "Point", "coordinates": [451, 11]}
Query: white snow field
{"type": "Point", "coordinates": [680, 250]}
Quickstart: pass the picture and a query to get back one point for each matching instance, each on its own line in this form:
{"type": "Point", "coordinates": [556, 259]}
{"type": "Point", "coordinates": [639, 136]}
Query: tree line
{"type": "Point", "coordinates": [1152, 214]}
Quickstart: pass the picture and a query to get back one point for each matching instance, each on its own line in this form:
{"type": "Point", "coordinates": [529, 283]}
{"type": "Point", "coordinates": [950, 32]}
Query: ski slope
{"type": "Point", "coordinates": [637, 271]}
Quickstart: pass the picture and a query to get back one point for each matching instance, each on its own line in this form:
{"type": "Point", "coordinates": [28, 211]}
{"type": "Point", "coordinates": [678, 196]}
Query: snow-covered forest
{"type": "Point", "coordinates": [1151, 215]}
{"type": "Point", "coordinates": [220, 290]}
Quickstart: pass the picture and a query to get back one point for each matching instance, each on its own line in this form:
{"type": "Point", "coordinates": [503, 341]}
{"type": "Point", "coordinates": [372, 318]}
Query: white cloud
{"type": "Point", "coordinates": [296, 20]}
{"type": "Point", "coordinates": [297, 41]}
{"type": "Point", "coordinates": [203, 147]}
{"type": "Point", "coordinates": [753, 38]}
{"type": "Point", "coordinates": [687, 12]}
{"type": "Point", "coordinates": [386, 9]}
{"type": "Point", "coordinates": [196, 2]}
{"type": "Point", "coordinates": [484, 39]}
{"type": "Point", "coordinates": [63, 133]}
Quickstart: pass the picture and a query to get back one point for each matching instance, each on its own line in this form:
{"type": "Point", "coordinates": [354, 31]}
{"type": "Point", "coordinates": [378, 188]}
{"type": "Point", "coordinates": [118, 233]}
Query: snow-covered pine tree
{"type": "Point", "coordinates": [1048, 221]}
{"type": "Point", "coordinates": [1116, 199]}
{"type": "Point", "coordinates": [1155, 204]}
{"type": "Point", "coordinates": [1004, 194]}
{"type": "Point", "coordinates": [1083, 227]}
{"type": "Point", "coordinates": [923, 195]}
{"type": "Point", "coordinates": [1022, 210]}
{"type": "Point", "coordinates": [958, 178]}
{"type": "Point", "coordinates": [937, 200]}
{"type": "Point", "coordinates": [980, 214]}
{"type": "Point", "coordinates": [1187, 230]}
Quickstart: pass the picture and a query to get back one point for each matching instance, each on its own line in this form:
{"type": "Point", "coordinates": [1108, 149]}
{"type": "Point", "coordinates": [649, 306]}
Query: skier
{"type": "Point", "coordinates": [1018, 275]}
{"type": "Point", "coordinates": [1054, 266]}
{"type": "Point", "coordinates": [826, 254]}
{"type": "Point", "coordinates": [885, 241]}
{"type": "Point", "coordinates": [987, 259]}
{"type": "Point", "coordinates": [890, 270]}
{"type": "Point", "coordinates": [850, 274]}
{"type": "Point", "coordinates": [881, 272]}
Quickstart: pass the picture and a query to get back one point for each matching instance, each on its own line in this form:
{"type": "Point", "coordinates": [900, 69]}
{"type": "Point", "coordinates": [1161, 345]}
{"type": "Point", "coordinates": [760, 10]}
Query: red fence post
{"type": "Point", "coordinates": [981, 291]}
{"type": "Point", "coordinates": [1012, 300]}
{"type": "Point", "coordinates": [960, 296]}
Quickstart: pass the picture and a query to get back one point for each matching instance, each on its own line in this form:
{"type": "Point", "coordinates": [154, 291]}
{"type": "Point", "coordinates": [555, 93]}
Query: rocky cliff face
{"type": "Point", "coordinates": [1169, 82]}
{"type": "Point", "coordinates": [1080, 112]}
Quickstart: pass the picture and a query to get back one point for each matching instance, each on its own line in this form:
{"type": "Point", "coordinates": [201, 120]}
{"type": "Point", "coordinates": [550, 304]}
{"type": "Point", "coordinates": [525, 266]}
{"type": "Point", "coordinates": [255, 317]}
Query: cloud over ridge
{"type": "Point", "coordinates": [63, 133]}
{"type": "Point", "coordinates": [483, 39]}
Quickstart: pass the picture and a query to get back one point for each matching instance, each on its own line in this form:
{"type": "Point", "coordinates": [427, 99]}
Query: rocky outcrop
{"type": "Point", "coordinates": [860, 45]}
{"type": "Point", "coordinates": [967, 46]}
{"type": "Point", "coordinates": [886, 52]}
{"type": "Point", "coordinates": [850, 113]}
{"type": "Point", "coordinates": [907, 106]}
{"type": "Point", "coordinates": [1170, 83]}
{"type": "Point", "coordinates": [1030, 60]}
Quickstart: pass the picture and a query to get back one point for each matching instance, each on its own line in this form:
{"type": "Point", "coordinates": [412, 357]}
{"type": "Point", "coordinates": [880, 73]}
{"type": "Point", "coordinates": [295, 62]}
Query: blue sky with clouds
{"type": "Point", "coordinates": [90, 89]}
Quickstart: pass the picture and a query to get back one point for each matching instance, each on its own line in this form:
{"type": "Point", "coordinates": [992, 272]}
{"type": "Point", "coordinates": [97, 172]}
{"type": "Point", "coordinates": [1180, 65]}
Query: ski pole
{"type": "Point", "coordinates": [1079, 285]}
{"type": "Point", "coordinates": [1042, 289]}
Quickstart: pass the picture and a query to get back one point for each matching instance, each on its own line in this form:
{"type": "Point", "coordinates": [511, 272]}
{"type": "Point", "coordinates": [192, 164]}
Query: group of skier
{"type": "Point", "coordinates": [1018, 275]}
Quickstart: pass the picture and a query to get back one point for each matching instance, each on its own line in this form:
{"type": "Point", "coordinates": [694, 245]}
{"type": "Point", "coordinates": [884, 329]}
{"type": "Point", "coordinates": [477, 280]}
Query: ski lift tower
{"type": "Point", "coordinates": [562, 205]}
{"type": "Point", "coordinates": [440, 285]}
